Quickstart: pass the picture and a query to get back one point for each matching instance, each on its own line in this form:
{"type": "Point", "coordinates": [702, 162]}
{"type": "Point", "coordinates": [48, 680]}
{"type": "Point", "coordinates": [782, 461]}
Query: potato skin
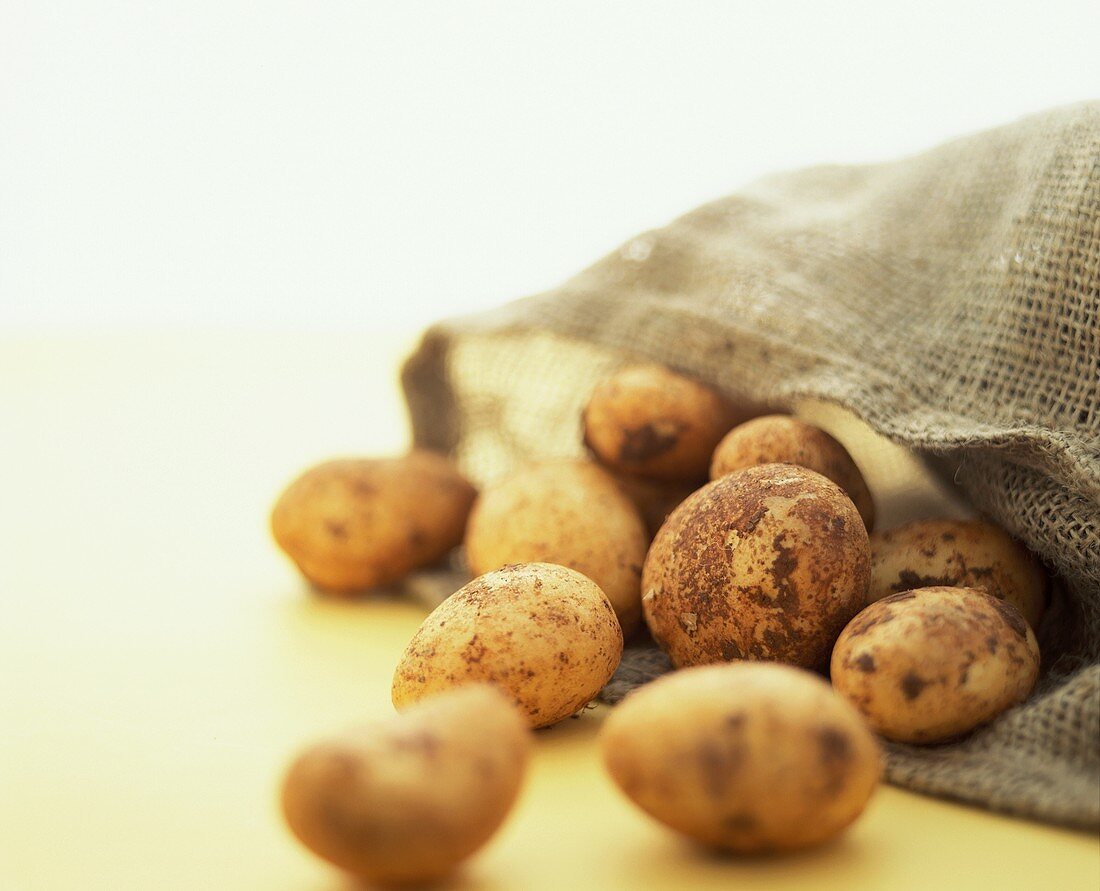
{"type": "Point", "coordinates": [543, 633]}
{"type": "Point", "coordinates": [566, 512]}
{"type": "Point", "coordinates": [928, 665]}
{"type": "Point", "coordinates": [958, 553]}
{"type": "Point", "coordinates": [355, 523]}
{"type": "Point", "coordinates": [750, 757]}
{"type": "Point", "coordinates": [405, 800]}
{"type": "Point", "coordinates": [768, 563]}
{"type": "Point", "coordinates": [781, 439]}
{"type": "Point", "coordinates": [655, 423]}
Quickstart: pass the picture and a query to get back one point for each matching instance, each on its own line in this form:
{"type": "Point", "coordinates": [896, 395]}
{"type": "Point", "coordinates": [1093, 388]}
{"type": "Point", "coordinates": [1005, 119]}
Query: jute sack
{"type": "Point", "coordinates": [951, 300]}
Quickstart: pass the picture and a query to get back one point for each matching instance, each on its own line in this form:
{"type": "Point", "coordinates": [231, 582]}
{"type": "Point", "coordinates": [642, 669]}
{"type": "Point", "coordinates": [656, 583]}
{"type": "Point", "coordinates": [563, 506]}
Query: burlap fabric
{"type": "Point", "coordinates": [951, 300]}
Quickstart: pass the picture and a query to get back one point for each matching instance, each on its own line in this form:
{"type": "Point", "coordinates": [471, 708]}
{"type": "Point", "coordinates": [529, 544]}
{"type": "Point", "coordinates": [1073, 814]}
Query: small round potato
{"type": "Point", "coordinates": [780, 439]}
{"type": "Point", "coordinates": [545, 634]}
{"type": "Point", "coordinates": [653, 422]}
{"type": "Point", "coordinates": [767, 563]}
{"type": "Point", "coordinates": [654, 499]}
{"type": "Point", "coordinates": [566, 512]}
{"type": "Point", "coordinates": [958, 553]}
{"type": "Point", "coordinates": [748, 756]}
{"type": "Point", "coordinates": [928, 665]}
{"type": "Point", "coordinates": [405, 800]}
{"type": "Point", "coordinates": [355, 523]}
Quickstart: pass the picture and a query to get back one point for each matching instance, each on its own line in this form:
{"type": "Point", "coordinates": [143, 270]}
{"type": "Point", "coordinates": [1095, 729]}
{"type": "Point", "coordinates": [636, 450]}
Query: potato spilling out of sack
{"type": "Point", "coordinates": [958, 553]}
{"type": "Point", "coordinates": [354, 523]}
{"type": "Point", "coordinates": [655, 423]}
{"type": "Point", "coordinates": [567, 512]}
{"type": "Point", "coordinates": [543, 633]}
{"type": "Point", "coordinates": [406, 800]}
{"type": "Point", "coordinates": [928, 665]}
{"type": "Point", "coordinates": [768, 563]}
{"type": "Point", "coordinates": [748, 756]}
{"type": "Point", "coordinates": [780, 439]}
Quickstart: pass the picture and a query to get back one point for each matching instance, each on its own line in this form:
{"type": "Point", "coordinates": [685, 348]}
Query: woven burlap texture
{"type": "Point", "coordinates": [951, 300]}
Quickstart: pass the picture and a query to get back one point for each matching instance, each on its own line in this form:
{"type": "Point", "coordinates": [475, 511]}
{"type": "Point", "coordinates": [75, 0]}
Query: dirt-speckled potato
{"type": "Point", "coordinates": [958, 553]}
{"type": "Point", "coordinates": [748, 756]}
{"type": "Point", "coordinates": [405, 800]}
{"type": "Point", "coordinates": [654, 499]}
{"type": "Point", "coordinates": [780, 439]}
{"type": "Point", "coordinates": [928, 665]}
{"type": "Point", "coordinates": [767, 563]}
{"type": "Point", "coordinates": [653, 422]}
{"type": "Point", "coordinates": [545, 634]}
{"type": "Point", "coordinates": [566, 512]}
{"type": "Point", "coordinates": [355, 523]}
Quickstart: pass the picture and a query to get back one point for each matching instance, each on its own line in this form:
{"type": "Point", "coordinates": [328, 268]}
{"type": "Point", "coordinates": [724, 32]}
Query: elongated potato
{"type": "Point", "coordinates": [543, 633]}
{"type": "Point", "coordinates": [406, 800]}
{"type": "Point", "coordinates": [746, 756]}
{"type": "Point", "coordinates": [958, 553]}
{"type": "Point", "coordinates": [652, 422]}
{"type": "Point", "coordinates": [566, 512]}
{"type": "Point", "coordinates": [354, 523]}
{"type": "Point", "coordinates": [781, 439]}
{"type": "Point", "coordinates": [767, 563]}
{"type": "Point", "coordinates": [927, 665]}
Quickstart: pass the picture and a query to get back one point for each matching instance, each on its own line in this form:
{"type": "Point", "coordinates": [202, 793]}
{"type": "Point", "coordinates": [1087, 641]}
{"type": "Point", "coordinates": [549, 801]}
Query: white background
{"type": "Point", "coordinates": [377, 165]}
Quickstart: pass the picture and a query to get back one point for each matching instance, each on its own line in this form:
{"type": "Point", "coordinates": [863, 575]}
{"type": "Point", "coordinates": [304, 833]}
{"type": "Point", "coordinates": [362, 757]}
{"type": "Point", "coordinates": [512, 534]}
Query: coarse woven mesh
{"type": "Point", "coordinates": [951, 300]}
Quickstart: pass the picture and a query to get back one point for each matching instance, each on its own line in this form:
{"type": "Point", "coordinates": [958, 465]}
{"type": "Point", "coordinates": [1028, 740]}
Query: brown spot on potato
{"type": "Point", "coordinates": [834, 746]}
{"type": "Point", "coordinates": [912, 685]}
{"type": "Point", "coordinates": [336, 528]}
{"type": "Point", "coordinates": [730, 651]}
{"type": "Point", "coordinates": [865, 662]}
{"type": "Point", "coordinates": [719, 759]}
{"type": "Point", "coordinates": [642, 443]}
{"type": "Point", "coordinates": [1012, 617]}
{"type": "Point", "coordinates": [908, 580]}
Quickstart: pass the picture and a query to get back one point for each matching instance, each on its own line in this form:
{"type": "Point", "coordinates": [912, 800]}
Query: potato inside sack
{"type": "Point", "coordinates": [781, 439]}
{"type": "Point", "coordinates": [356, 523]}
{"type": "Point", "coordinates": [928, 665]}
{"type": "Point", "coordinates": [750, 757]}
{"type": "Point", "coordinates": [408, 799]}
{"type": "Point", "coordinates": [958, 553]}
{"type": "Point", "coordinates": [569, 512]}
{"type": "Point", "coordinates": [652, 422]}
{"type": "Point", "coordinates": [543, 633]}
{"type": "Point", "coordinates": [768, 563]}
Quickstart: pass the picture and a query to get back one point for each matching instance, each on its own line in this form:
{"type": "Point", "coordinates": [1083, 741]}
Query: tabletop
{"type": "Point", "coordinates": [160, 661]}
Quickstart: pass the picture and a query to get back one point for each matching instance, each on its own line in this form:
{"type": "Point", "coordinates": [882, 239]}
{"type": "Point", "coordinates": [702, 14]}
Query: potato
{"type": "Point", "coordinates": [958, 553]}
{"type": "Point", "coordinates": [927, 665]}
{"type": "Point", "coordinates": [405, 800]}
{"type": "Point", "coordinates": [654, 499]}
{"type": "Point", "coordinates": [747, 756]}
{"type": "Point", "coordinates": [355, 523]}
{"type": "Point", "coordinates": [566, 512]}
{"type": "Point", "coordinates": [545, 634]}
{"type": "Point", "coordinates": [780, 439]}
{"type": "Point", "coordinates": [767, 563]}
{"type": "Point", "coordinates": [652, 422]}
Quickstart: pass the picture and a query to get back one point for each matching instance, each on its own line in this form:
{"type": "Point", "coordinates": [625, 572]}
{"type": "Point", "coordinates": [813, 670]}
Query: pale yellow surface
{"type": "Point", "coordinates": [159, 661]}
